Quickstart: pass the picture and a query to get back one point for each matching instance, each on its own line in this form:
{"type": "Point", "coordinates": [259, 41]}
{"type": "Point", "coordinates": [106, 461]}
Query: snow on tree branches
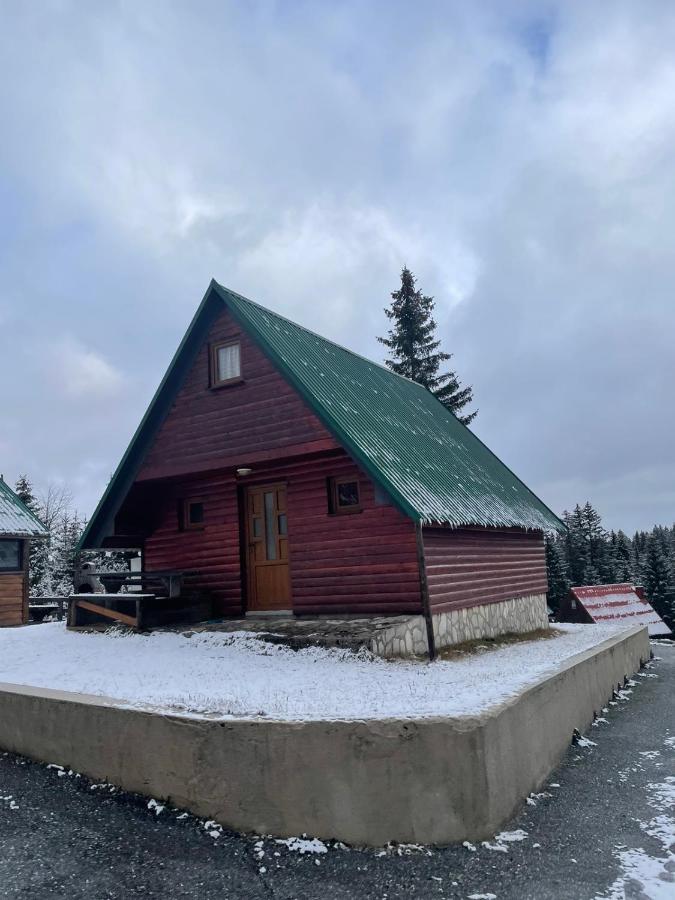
{"type": "Point", "coordinates": [53, 562]}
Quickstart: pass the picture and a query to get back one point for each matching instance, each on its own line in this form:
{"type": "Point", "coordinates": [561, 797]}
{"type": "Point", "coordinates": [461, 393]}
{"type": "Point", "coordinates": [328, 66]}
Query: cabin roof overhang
{"type": "Point", "coordinates": [16, 519]}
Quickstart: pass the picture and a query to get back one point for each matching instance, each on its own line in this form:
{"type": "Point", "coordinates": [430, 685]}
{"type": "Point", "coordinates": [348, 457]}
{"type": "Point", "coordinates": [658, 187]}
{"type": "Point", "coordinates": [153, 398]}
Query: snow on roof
{"type": "Point", "coordinates": [15, 517]}
{"type": "Point", "coordinates": [619, 603]}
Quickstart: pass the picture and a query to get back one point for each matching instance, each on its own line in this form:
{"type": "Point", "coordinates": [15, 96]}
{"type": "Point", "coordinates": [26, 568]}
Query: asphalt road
{"type": "Point", "coordinates": [61, 838]}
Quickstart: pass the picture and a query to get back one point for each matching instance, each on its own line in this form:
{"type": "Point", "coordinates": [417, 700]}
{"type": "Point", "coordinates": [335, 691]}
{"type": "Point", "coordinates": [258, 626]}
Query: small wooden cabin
{"type": "Point", "coordinates": [296, 476]}
{"type": "Point", "coordinates": [18, 526]}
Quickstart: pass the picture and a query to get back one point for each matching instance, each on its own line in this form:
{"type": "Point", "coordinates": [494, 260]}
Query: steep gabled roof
{"type": "Point", "coordinates": [433, 467]}
{"type": "Point", "coordinates": [15, 517]}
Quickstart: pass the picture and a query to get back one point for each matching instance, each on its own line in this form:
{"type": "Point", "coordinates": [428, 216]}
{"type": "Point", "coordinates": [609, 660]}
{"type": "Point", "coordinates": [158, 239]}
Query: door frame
{"type": "Point", "coordinates": [243, 488]}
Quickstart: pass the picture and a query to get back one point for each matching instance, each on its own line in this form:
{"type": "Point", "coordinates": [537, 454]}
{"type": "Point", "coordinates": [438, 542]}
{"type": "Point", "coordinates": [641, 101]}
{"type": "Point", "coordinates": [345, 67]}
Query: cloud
{"type": "Point", "coordinates": [338, 256]}
{"type": "Point", "coordinates": [516, 157]}
{"type": "Point", "coordinates": [84, 373]}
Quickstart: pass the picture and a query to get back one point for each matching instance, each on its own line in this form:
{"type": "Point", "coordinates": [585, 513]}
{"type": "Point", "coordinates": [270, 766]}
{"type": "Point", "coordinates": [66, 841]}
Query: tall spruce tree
{"type": "Point", "coordinates": [623, 558]}
{"type": "Point", "coordinates": [24, 491]}
{"type": "Point", "coordinates": [415, 351]}
{"type": "Point", "coordinates": [657, 579]}
{"type": "Point", "coordinates": [36, 548]}
{"type": "Point", "coordinates": [577, 550]}
{"type": "Point", "coordinates": [558, 582]}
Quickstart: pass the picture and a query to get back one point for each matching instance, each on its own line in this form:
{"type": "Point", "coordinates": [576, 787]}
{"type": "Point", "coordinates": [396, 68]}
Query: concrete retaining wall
{"type": "Point", "coordinates": [426, 781]}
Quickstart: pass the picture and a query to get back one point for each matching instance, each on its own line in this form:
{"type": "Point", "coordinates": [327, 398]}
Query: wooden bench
{"type": "Point", "coordinates": [41, 607]}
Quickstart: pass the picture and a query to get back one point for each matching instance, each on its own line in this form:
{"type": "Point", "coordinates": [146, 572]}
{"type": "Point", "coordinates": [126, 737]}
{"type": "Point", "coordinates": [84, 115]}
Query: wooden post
{"type": "Point", "coordinates": [424, 591]}
{"type": "Point", "coordinates": [25, 550]}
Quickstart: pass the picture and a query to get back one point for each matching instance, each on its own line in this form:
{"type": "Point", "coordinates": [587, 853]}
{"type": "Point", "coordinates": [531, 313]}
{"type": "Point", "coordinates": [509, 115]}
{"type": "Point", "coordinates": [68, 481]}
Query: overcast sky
{"type": "Point", "coordinates": [519, 158]}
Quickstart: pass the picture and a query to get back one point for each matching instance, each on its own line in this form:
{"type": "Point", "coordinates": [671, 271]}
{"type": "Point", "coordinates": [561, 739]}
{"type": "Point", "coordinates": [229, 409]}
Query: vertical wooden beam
{"type": "Point", "coordinates": [71, 615]}
{"type": "Point", "coordinates": [424, 591]}
{"type": "Point", "coordinates": [25, 550]}
{"type": "Point", "coordinates": [242, 512]}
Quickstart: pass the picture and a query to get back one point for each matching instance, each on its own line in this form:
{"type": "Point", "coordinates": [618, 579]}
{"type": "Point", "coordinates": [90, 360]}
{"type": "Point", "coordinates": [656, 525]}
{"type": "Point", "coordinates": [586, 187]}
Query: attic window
{"type": "Point", "coordinates": [193, 514]}
{"type": "Point", "coordinates": [225, 363]}
{"type": "Point", "coordinates": [10, 556]}
{"type": "Point", "coordinates": [344, 495]}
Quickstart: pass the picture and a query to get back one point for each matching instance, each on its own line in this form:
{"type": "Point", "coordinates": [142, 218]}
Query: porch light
{"type": "Point", "coordinates": [244, 470]}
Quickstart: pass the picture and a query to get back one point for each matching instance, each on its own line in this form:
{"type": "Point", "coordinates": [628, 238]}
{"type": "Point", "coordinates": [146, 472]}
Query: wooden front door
{"type": "Point", "coordinates": [269, 584]}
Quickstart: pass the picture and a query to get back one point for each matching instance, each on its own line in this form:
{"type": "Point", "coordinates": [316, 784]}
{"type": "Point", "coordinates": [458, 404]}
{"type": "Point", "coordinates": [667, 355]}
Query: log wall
{"type": "Point", "coordinates": [471, 566]}
{"type": "Point", "coordinates": [364, 562]}
{"type": "Point", "coordinates": [13, 599]}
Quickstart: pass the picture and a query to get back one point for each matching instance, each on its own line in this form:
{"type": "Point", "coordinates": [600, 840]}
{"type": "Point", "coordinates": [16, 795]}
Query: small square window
{"type": "Point", "coordinates": [11, 557]}
{"type": "Point", "coordinates": [344, 495]}
{"type": "Point", "coordinates": [225, 363]}
{"type": "Point", "coordinates": [193, 514]}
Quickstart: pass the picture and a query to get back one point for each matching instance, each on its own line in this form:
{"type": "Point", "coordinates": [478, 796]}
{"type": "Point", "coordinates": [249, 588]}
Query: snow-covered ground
{"type": "Point", "coordinates": [236, 675]}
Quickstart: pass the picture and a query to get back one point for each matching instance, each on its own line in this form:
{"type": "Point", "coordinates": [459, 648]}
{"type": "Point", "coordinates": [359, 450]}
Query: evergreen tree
{"type": "Point", "coordinates": [623, 558]}
{"type": "Point", "coordinates": [53, 560]}
{"type": "Point", "coordinates": [415, 351]}
{"type": "Point", "coordinates": [639, 549]}
{"type": "Point", "coordinates": [36, 548]}
{"type": "Point", "coordinates": [577, 550]}
{"type": "Point", "coordinates": [24, 491]}
{"type": "Point", "coordinates": [558, 582]}
{"type": "Point", "coordinates": [596, 536]}
{"type": "Point", "coordinates": [657, 580]}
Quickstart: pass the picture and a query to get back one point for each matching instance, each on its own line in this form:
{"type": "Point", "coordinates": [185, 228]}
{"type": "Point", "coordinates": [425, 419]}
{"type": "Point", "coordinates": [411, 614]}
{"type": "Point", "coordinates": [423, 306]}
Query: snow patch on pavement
{"type": "Point", "coordinates": [503, 838]}
{"type": "Point", "coordinates": [643, 874]}
{"type": "Point", "coordinates": [303, 845]}
{"type": "Point", "coordinates": [236, 675]}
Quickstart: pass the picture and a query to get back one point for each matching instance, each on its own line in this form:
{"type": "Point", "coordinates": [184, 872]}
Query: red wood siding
{"type": "Point", "coordinates": [360, 563]}
{"type": "Point", "coordinates": [363, 562]}
{"type": "Point", "coordinates": [262, 417]}
{"type": "Point", "coordinates": [467, 567]}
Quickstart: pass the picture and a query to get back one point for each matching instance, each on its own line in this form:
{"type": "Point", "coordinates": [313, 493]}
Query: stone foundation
{"type": "Point", "coordinates": [489, 620]}
{"type": "Point", "coordinates": [405, 639]}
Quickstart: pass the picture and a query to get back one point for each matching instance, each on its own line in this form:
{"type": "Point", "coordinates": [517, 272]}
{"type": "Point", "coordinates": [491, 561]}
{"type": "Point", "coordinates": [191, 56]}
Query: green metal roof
{"type": "Point", "coordinates": [15, 517]}
{"type": "Point", "coordinates": [433, 467]}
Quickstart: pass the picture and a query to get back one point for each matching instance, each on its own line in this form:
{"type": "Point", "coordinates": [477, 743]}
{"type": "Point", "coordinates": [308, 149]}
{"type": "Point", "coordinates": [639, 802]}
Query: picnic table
{"type": "Point", "coordinates": [128, 601]}
{"type": "Point", "coordinates": [166, 581]}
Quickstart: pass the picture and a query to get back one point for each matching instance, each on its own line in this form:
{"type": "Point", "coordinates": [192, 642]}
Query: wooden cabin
{"type": "Point", "coordinates": [298, 477]}
{"type": "Point", "coordinates": [18, 526]}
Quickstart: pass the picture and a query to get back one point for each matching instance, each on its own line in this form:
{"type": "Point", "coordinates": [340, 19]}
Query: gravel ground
{"type": "Point", "coordinates": [60, 838]}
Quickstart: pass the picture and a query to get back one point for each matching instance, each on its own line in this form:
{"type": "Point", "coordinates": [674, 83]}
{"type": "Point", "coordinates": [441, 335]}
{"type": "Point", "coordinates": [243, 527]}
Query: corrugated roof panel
{"type": "Point", "coordinates": [432, 464]}
{"type": "Point", "coordinates": [15, 517]}
{"type": "Point", "coordinates": [620, 603]}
